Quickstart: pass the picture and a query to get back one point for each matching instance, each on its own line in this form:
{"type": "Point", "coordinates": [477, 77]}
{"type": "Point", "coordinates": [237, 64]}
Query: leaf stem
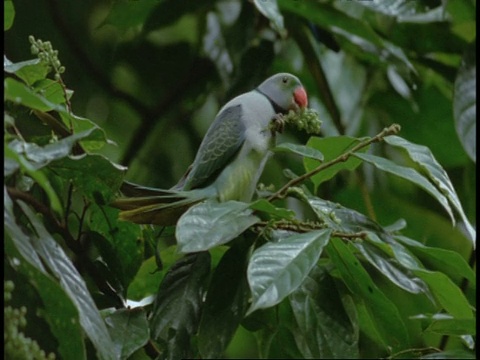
{"type": "Point", "coordinates": [391, 130]}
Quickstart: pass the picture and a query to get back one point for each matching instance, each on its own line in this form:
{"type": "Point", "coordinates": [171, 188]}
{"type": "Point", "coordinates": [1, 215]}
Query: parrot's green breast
{"type": "Point", "coordinates": [239, 179]}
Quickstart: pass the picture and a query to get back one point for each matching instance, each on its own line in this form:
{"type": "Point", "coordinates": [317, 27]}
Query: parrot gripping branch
{"type": "Point", "coordinates": [282, 192]}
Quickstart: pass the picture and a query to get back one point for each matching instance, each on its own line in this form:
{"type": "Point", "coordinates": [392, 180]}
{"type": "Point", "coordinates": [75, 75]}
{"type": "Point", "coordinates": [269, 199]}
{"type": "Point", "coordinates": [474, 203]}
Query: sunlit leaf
{"type": "Point", "coordinates": [422, 156]}
{"type": "Point", "coordinates": [409, 174]}
{"type": "Point", "coordinates": [278, 268]}
{"type": "Point", "coordinates": [210, 224]}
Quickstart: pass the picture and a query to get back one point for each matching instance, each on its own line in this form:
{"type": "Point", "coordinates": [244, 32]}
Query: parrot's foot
{"type": "Point", "coordinates": [277, 124]}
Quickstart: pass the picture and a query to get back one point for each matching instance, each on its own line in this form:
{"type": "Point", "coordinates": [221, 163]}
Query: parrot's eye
{"type": "Point", "coordinates": [284, 79]}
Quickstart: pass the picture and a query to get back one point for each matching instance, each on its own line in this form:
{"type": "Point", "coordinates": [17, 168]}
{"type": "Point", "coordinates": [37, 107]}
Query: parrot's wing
{"type": "Point", "coordinates": [221, 143]}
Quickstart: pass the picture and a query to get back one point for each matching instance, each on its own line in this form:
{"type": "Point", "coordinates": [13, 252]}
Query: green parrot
{"type": "Point", "coordinates": [230, 159]}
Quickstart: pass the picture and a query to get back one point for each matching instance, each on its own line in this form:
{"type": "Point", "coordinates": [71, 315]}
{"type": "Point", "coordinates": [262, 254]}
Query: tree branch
{"type": "Point", "coordinates": [391, 130]}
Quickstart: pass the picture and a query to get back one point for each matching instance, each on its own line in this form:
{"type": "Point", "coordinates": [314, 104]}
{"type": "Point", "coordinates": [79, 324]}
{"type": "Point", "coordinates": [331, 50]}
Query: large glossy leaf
{"type": "Point", "coordinates": [464, 102]}
{"type": "Point", "coordinates": [278, 268]}
{"type": "Point", "coordinates": [20, 93]}
{"type": "Point", "coordinates": [330, 147]}
{"type": "Point", "coordinates": [41, 156]}
{"type": "Point", "coordinates": [409, 174]}
{"type": "Point", "coordinates": [267, 207]}
{"type": "Point", "coordinates": [422, 156]}
{"type": "Point", "coordinates": [390, 268]}
{"type": "Point", "coordinates": [70, 280]}
{"type": "Point", "coordinates": [225, 304]}
{"type": "Point", "coordinates": [210, 224]}
{"type": "Point", "coordinates": [60, 311]}
{"type": "Point", "coordinates": [128, 329]}
{"type": "Point", "coordinates": [176, 311]}
{"type": "Point", "coordinates": [384, 314]}
{"type": "Point", "coordinates": [326, 330]}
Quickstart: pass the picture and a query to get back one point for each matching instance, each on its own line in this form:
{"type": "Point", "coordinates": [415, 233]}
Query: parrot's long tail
{"type": "Point", "coordinates": [145, 205]}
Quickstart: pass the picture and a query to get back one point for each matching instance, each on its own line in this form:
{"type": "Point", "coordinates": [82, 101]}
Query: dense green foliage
{"type": "Point", "coordinates": [361, 240]}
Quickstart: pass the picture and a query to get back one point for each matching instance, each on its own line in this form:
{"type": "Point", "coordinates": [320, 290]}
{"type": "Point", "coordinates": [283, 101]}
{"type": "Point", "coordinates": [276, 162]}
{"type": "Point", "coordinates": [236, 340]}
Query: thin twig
{"type": "Point", "coordinates": [391, 130]}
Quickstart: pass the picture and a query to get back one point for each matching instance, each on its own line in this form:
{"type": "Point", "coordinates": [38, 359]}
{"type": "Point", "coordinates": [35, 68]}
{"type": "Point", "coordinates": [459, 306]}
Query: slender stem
{"type": "Point", "coordinates": [391, 130]}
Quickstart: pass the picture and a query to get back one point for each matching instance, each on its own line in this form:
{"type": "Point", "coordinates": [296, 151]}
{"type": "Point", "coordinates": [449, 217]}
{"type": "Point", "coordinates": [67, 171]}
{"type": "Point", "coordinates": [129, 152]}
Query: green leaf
{"type": "Point", "coordinates": [391, 269]}
{"type": "Point", "coordinates": [60, 311]}
{"type": "Point", "coordinates": [447, 324]}
{"type": "Point", "coordinates": [266, 206]}
{"type": "Point", "coordinates": [8, 14]}
{"type": "Point", "coordinates": [269, 9]}
{"type": "Point", "coordinates": [447, 261]}
{"type": "Point", "coordinates": [73, 284]}
{"type": "Point", "coordinates": [422, 156]}
{"type": "Point", "coordinates": [384, 314]}
{"type": "Point", "coordinates": [409, 174]}
{"type": "Point", "coordinates": [52, 91]}
{"type": "Point", "coordinates": [20, 93]}
{"type": "Point", "coordinates": [176, 311]}
{"type": "Point", "coordinates": [302, 150]}
{"type": "Point", "coordinates": [149, 277]}
{"type": "Point", "coordinates": [225, 304]}
{"type": "Point", "coordinates": [129, 330]}
{"type": "Point", "coordinates": [29, 71]}
{"type": "Point", "coordinates": [120, 244]}
{"type": "Point", "coordinates": [276, 269]}
{"type": "Point", "coordinates": [449, 295]}
{"type": "Point", "coordinates": [97, 177]}
{"type": "Point", "coordinates": [210, 224]}
{"type": "Point", "coordinates": [41, 156]}
{"type": "Point", "coordinates": [464, 102]}
{"type": "Point", "coordinates": [126, 14]}
{"type": "Point", "coordinates": [340, 218]}
{"type": "Point", "coordinates": [325, 328]}
{"type": "Point", "coordinates": [331, 148]}
{"type": "Point", "coordinates": [38, 176]}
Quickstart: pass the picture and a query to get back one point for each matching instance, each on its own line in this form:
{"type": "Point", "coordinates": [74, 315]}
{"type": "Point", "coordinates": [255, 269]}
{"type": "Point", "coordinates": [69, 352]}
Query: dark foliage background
{"type": "Point", "coordinates": [150, 76]}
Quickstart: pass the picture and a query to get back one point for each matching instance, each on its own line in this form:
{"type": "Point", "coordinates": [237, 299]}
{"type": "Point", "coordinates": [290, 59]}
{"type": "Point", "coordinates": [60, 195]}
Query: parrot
{"type": "Point", "coordinates": [230, 159]}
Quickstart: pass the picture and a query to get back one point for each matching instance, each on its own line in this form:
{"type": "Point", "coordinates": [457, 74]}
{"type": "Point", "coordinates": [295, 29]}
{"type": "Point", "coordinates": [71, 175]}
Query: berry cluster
{"type": "Point", "coordinates": [304, 119]}
{"type": "Point", "coordinates": [46, 54]}
{"type": "Point", "coordinates": [17, 345]}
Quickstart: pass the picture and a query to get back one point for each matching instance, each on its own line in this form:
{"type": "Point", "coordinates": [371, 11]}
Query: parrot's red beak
{"type": "Point", "coordinates": [300, 97]}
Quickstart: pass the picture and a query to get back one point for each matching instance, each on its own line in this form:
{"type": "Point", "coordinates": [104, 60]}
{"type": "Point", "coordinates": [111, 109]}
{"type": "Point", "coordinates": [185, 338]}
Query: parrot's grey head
{"type": "Point", "coordinates": [285, 91]}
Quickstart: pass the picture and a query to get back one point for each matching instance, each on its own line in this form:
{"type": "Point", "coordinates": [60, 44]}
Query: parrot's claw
{"type": "Point", "coordinates": [277, 124]}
